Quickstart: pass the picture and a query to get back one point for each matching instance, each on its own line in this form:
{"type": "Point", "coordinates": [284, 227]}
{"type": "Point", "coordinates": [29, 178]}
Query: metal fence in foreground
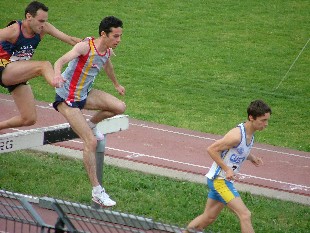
{"type": "Point", "coordinates": [27, 214]}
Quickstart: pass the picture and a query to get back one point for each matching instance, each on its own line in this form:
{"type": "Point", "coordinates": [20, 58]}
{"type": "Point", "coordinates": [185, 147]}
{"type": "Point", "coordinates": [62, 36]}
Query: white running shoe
{"type": "Point", "coordinates": [103, 199]}
{"type": "Point", "coordinates": [98, 134]}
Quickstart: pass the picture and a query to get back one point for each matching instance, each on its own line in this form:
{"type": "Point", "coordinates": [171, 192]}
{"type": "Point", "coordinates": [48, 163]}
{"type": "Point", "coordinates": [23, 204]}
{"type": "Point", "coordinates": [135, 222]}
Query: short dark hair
{"type": "Point", "coordinates": [258, 108]}
{"type": "Point", "coordinates": [109, 22]}
{"type": "Point", "coordinates": [33, 7]}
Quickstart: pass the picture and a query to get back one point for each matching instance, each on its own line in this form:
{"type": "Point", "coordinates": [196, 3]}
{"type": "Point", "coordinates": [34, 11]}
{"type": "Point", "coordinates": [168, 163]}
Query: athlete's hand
{"type": "Point", "coordinates": [58, 81]}
{"type": "Point", "coordinates": [256, 161]}
{"type": "Point", "coordinates": [230, 175]}
{"type": "Point", "coordinates": [120, 89]}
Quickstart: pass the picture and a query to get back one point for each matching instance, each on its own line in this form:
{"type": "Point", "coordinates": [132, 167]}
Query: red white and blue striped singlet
{"type": "Point", "coordinates": [81, 73]}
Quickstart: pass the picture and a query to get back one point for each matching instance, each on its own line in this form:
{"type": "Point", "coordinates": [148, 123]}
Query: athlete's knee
{"type": "Point", "coordinates": [90, 143]}
{"type": "Point", "coordinates": [208, 219]}
{"type": "Point", "coordinates": [201, 222]}
{"type": "Point", "coordinates": [245, 215]}
{"type": "Point", "coordinates": [120, 108]}
{"type": "Point", "coordinates": [29, 120]}
{"type": "Point", "coordinates": [42, 67]}
{"type": "Point", "coordinates": [46, 65]}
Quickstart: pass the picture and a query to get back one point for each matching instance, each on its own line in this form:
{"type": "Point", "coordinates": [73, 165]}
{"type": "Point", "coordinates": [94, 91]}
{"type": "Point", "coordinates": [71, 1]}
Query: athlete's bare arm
{"type": "Point", "coordinates": [9, 33]}
{"type": "Point", "coordinates": [53, 31]}
{"type": "Point", "coordinates": [257, 161]}
{"type": "Point", "coordinates": [230, 140]}
{"type": "Point", "coordinates": [79, 49]}
{"type": "Point", "coordinates": [108, 67]}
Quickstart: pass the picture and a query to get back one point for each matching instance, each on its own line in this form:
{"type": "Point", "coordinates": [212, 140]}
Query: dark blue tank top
{"type": "Point", "coordinates": [22, 49]}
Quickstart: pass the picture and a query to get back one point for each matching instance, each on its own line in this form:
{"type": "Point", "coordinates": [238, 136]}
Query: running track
{"type": "Point", "coordinates": [284, 170]}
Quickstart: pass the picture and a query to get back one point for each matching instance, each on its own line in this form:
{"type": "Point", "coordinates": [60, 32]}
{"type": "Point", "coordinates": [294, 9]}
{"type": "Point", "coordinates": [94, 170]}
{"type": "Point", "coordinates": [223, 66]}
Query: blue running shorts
{"type": "Point", "coordinates": [76, 104]}
{"type": "Point", "coordinates": [222, 190]}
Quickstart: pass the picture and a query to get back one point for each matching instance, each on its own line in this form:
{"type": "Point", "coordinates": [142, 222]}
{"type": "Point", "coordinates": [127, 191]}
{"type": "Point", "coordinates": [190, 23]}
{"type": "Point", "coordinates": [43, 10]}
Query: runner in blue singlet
{"type": "Point", "coordinates": [229, 154]}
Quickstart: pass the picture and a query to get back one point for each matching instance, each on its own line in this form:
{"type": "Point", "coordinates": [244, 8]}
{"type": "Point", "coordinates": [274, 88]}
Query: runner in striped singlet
{"type": "Point", "coordinates": [229, 153]}
{"type": "Point", "coordinates": [85, 61]}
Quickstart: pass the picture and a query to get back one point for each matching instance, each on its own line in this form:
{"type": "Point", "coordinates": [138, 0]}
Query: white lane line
{"type": "Point", "coordinates": [291, 185]}
{"type": "Point", "coordinates": [212, 139]}
{"type": "Point", "coordinates": [240, 175]}
{"type": "Point", "coordinates": [171, 131]}
{"type": "Point", "coordinates": [137, 155]}
{"type": "Point", "coordinates": [188, 135]}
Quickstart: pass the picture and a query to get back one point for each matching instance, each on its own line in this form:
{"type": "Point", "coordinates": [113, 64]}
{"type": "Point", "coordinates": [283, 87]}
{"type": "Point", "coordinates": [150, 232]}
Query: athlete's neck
{"type": "Point", "coordinates": [26, 29]}
{"type": "Point", "coordinates": [249, 129]}
{"type": "Point", "coordinates": [100, 45]}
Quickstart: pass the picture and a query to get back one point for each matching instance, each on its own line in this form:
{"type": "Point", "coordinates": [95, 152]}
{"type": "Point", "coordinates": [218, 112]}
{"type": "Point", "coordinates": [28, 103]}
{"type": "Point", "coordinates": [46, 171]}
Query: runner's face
{"type": "Point", "coordinates": [114, 37]}
{"type": "Point", "coordinates": [37, 23]}
{"type": "Point", "coordinates": [261, 122]}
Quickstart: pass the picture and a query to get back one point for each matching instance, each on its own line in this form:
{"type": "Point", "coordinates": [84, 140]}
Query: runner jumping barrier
{"type": "Point", "coordinates": [18, 212]}
{"type": "Point", "coordinates": [58, 133]}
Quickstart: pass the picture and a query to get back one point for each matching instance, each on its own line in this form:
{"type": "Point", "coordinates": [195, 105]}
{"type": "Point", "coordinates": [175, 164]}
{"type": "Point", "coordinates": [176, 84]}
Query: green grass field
{"type": "Point", "coordinates": [198, 64]}
{"type": "Point", "coordinates": [162, 199]}
{"type": "Point", "coordinates": [190, 64]}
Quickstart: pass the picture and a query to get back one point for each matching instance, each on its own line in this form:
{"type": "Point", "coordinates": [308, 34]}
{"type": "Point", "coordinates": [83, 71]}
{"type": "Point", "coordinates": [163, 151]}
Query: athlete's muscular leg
{"type": "Point", "coordinates": [107, 104]}
{"type": "Point", "coordinates": [239, 208]}
{"type": "Point", "coordinates": [79, 125]}
{"type": "Point", "coordinates": [212, 210]}
{"type": "Point", "coordinates": [22, 71]}
{"type": "Point", "coordinates": [25, 104]}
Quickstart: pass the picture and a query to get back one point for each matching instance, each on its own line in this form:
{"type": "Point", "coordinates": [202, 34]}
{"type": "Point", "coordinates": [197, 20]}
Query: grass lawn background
{"type": "Point", "coordinates": [190, 64]}
{"type": "Point", "coordinates": [197, 64]}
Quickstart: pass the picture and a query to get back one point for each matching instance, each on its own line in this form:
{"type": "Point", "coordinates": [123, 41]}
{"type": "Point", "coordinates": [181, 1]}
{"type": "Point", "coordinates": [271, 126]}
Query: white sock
{"type": "Point", "coordinates": [91, 124]}
{"type": "Point", "coordinates": [97, 189]}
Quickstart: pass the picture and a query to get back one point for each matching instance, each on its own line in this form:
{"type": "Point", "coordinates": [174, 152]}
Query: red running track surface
{"type": "Point", "coordinates": [184, 150]}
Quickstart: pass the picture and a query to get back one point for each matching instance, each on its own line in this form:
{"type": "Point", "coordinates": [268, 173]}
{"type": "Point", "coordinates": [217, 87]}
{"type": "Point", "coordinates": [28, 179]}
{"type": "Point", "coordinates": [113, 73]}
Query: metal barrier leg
{"type": "Point", "coordinates": [100, 158]}
{"type": "Point", "coordinates": [99, 162]}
